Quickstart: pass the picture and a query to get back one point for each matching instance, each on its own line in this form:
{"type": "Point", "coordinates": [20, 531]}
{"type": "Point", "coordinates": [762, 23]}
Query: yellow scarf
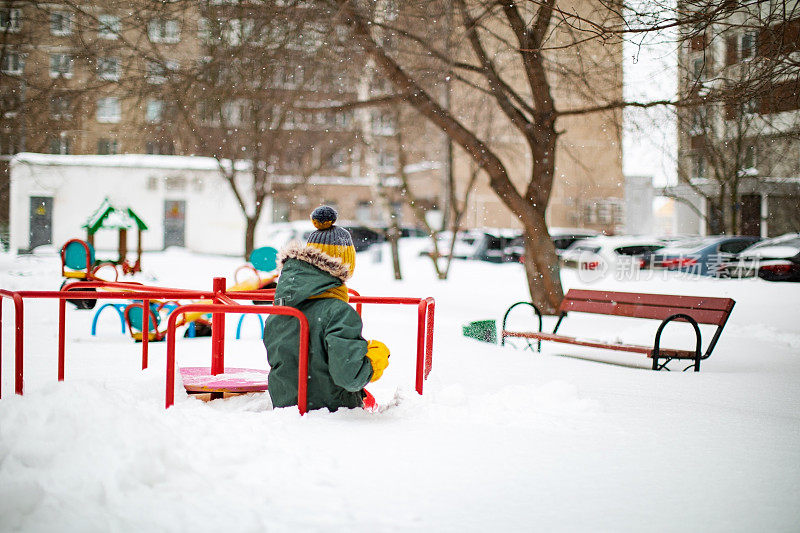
{"type": "Point", "coordinates": [340, 293]}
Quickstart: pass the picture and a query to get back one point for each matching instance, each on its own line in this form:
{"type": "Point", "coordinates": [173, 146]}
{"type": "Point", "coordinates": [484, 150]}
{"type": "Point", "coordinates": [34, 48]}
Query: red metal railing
{"type": "Point", "coordinates": [221, 310]}
{"type": "Point", "coordinates": [19, 317]}
{"type": "Point", "coordinates": [223, 302]}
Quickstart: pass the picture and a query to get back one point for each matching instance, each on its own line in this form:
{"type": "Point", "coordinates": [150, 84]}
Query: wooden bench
{"type": "Point", "coordinates": [667, 308]}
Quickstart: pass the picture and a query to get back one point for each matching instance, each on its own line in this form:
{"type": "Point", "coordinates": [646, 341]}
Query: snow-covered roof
{"type": "Point", "coordinates": [177, 162]}
{"type": "Point", "coordinates": [109, 217]}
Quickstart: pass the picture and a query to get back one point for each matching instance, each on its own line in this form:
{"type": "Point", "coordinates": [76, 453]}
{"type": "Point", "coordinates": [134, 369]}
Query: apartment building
{"type": "Point", "coordinates": [233, 80]}
{"type": "Point", "coordinates": [739, 147]}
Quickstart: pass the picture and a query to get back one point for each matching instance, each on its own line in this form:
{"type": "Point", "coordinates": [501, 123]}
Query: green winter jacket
{"type": "Point", "coordinates": [338, 368]}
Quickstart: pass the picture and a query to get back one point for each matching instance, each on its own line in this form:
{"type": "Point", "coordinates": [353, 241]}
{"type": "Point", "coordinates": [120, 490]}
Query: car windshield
{"type": "Point", "coordinates": [685, 247]}
{"type": "Point", "coordinates": [637, 249]}
{"type": "Point", "coordinates": [584, 248]}
{"type": "Point", "coordinates": [688, 244]}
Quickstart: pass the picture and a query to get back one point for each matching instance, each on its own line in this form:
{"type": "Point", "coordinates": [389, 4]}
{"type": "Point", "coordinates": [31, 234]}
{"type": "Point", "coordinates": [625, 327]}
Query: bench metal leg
{"type": "Point", "coordinates": [662, 366]}
{"type": "Point", "coordinates": [527, 341]}
{"type": "Point", "coordinates": [693, 322]}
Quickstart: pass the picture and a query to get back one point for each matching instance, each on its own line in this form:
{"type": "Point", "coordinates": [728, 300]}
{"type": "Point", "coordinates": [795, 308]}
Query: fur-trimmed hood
{"type": "Point", "coordinates": [313, 256]}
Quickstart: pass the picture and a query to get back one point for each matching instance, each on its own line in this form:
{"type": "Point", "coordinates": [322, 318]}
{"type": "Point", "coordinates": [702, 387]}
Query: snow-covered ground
{"type": "Point", "coordinates": [502, 439]}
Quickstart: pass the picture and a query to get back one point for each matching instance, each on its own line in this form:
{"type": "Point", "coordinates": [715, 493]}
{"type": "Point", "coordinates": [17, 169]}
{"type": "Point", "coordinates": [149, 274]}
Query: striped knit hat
{"type": "Point", "coordinates": [330, 239]}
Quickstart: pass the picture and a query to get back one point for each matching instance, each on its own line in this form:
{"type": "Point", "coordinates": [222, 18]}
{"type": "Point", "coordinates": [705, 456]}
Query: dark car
{"type": "Point", "coordinates": [702, 255]}
{"type": "Point", "coordinates": [776, 259]}
{"type": "Point", "coordinates": [492, 245]}
{"type": "Point", "coordinates": [363, 237]}
{"type": "Point", "coordinates": [562, 239]}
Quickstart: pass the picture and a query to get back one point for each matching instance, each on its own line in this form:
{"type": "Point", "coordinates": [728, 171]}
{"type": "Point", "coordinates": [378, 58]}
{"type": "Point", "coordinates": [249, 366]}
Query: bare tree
{"type": "Point", "coordinates": [505, 52]}
{"type": "Point", "coordinates": [241, 100]}
{"type": "Point", "coordinates": [237, 81]}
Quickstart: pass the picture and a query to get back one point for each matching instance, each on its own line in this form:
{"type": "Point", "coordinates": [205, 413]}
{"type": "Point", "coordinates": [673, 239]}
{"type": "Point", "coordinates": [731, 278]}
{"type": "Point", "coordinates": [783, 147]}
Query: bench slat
{"type": "Point", "coordinates": [648, 350]}
{"type": "Point", "coordinates": [655, 312]}
{"type": "Point", "coordinates": [667, 300]}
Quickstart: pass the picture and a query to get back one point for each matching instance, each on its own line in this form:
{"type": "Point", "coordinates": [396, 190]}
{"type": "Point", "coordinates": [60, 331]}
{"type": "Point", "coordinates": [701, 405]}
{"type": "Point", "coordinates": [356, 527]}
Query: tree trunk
{"type": "Point", "coordinates": [544, 283]}
{"type": "Point", "coordinates": [249, 237]}
{"type": "Point", "coordinates": [542, 265]}
{"type": "Point", "coordinates": [393, 236]}
{"type": "Point", "coordinates": [727, 212]}
{"type": "Point", "coordinates": [736, 211]}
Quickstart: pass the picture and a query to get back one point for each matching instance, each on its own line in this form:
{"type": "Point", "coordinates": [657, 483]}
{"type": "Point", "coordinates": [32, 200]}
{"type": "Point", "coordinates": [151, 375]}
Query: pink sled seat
{"type": "Point", "coordinates": [200, 379]}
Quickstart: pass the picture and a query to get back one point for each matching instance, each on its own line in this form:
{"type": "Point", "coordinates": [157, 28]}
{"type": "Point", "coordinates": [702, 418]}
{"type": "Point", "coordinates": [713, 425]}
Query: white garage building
{"type": "Point", "coordinates": [183, 200]}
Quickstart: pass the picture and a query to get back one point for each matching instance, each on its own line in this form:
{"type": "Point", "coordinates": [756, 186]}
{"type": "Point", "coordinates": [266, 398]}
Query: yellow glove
{"type": "Point", "coordinates": [378, 355]}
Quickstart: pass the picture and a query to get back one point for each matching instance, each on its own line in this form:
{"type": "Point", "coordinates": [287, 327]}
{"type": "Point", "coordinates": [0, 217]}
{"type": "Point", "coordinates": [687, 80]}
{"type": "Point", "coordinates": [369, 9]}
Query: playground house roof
{"type": "Point", "coordinates": [109, 217]}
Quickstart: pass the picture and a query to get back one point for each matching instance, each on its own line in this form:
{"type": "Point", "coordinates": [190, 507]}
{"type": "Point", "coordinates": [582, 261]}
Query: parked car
{"type": "Point", "coordinates": [603, 252]}
{"type": "Point", "coordinates": [698, 255]}
{"type": "Point", "coordinates": [492, 244]}
{"type": "Point", "coordinates": [482, 245]}
{"type": "Point", "coordinates": [281, 233]}
{"type": "Point", "coordinates": [463, 248]}
{"type": "Point", "coordinates": [776, 259]}
{"type": "Point", "coordinates": [562, 239]}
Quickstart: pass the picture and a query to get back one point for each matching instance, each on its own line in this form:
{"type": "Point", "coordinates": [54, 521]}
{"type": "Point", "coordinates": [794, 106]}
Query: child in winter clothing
{"type": "Point", "coordinates": [340, 361]}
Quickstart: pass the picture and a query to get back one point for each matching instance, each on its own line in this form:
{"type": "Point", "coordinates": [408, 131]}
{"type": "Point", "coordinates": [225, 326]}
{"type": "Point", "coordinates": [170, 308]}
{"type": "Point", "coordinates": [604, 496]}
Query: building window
{"type": "Point", "coordinates": [204, 31]}
{"type": "Point", "coordinates": [383, 123]}
{"type": "Point", "coordinates": [8, 145]}
{"type": "Point", "coordinates": [291, 78]}
{"type": "Point", "coordinates": [290, 121]}
{"type": "Point", "coordinates": [61, 65]}
{"type": "Point", "coordinates": [387, 161]}
{"type": "Point", "coordinates": [174, 183]}
{"type": "Point", "coordinates": [60, 23]}
{"type": "Point", "coordinates": [234, 32]}
{"type": "Point", "coordinates": [109, 27]}
{"type": "Point", "coordinates": [154, 113]}
{"type": "Point", "coordinates": [235, 113]}
{"type": "Point", "coordinates": [61, 108]}
{"type": "Point", "coordinates": [698, 166]}
{"type": "Point", "coordinates": [342, 119]}
{"type": "Point", "coordinates": [749, 157]}
{"type": "Point", "coordinates": [748, 47]}
{"type": "Point", "coordinates": [10, 102]}
{"type": "Point", "coordinates": [109, 68]}
{"type": "Point", "coordinates": [311, 38]}
{"type": "Point", "coordinates": [60, 145]}
{"type": "Point", "coordinates": [10, 20]}
{"type": "Point", "coordinates": [338, 160]}
{"type": "Point", "coordinates": [13, 63]}
{"type": "Point", "coordinates": [157, 73]}
{"type": "Point", "coordinates": [164, 31]}
{"type": "Point", "coordinates": [698, 68]}
{"type": "Point", "coordinates": [160, 148]}
{"type": "Point", "coordinates": [698, 124]}
{"type": "Point", "coordinates": [208, 113]}
{"type": "Point", "coordinates": [107, 147]}
{"type": "Point", "coordinates": [109, 110]}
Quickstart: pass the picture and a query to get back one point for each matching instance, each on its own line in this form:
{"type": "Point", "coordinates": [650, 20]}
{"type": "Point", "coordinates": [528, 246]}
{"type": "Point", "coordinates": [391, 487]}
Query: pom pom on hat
{"type": "Point", "coordinates": [332, 240]}
{"type": "Point", "coordinates": [323, 217]}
